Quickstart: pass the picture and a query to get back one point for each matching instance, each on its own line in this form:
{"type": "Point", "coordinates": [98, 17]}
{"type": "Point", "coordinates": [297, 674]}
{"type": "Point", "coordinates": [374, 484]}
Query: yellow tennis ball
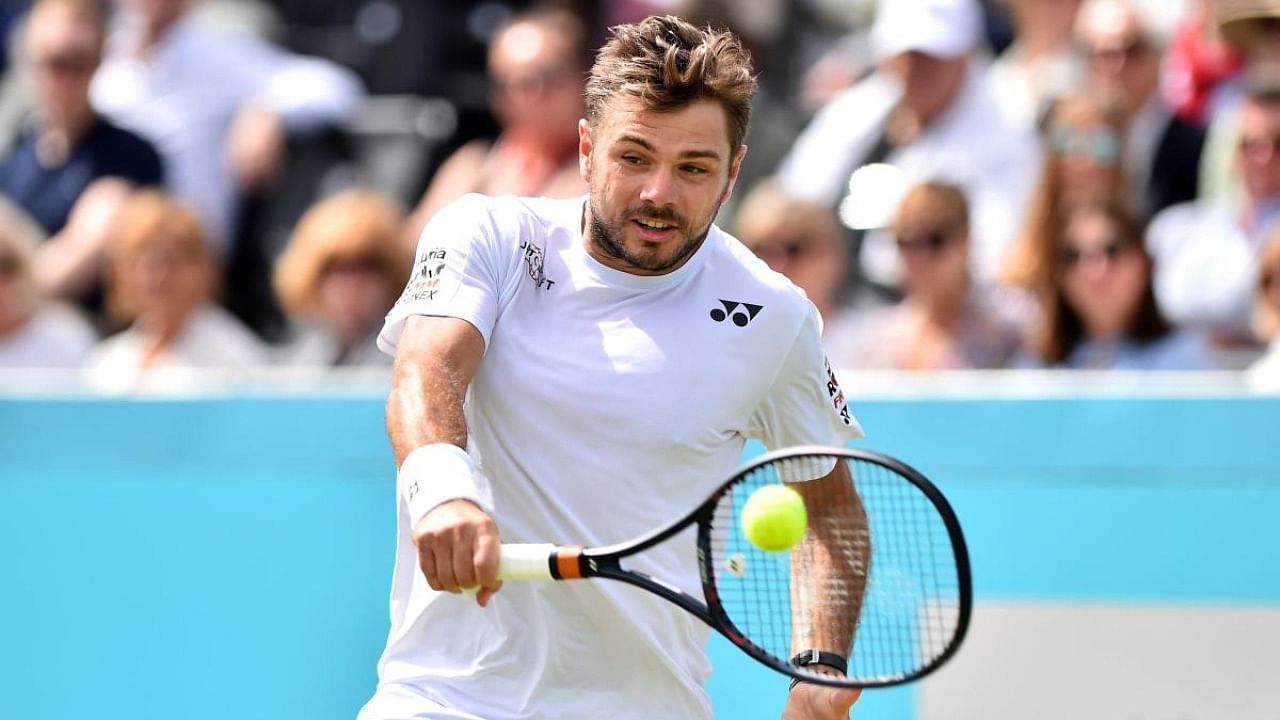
{"type": "Point", "coordinates": [774, 518]}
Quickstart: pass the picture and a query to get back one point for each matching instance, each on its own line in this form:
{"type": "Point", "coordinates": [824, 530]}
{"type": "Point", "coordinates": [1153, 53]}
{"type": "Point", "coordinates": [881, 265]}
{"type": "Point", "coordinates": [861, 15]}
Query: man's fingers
{"type": "Point", "coordinates": [427, 560]}
{"type": "Point", "coordinates": [464, 568]}
{"type": "Point", "coordinates": [444, 566]}
{"type": "Point", "coordinates": [488, 552]}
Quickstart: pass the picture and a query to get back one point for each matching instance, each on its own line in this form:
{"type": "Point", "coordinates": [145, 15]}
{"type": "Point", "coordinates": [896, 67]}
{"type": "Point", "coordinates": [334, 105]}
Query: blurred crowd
{"type": "Point", "coordinates": [956, 184]}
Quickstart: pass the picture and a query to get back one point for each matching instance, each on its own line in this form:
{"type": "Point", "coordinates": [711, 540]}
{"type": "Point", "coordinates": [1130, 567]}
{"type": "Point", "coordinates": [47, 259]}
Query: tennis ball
{"type": "Point", "coordinates": [774, 518]}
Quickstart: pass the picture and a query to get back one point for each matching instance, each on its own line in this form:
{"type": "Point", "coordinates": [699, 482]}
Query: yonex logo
{"type": "Point", "coordinates": [741, 313]}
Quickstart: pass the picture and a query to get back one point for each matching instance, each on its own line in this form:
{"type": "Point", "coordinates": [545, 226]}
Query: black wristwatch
{"type": "Point", "coordinates": [806, 658]}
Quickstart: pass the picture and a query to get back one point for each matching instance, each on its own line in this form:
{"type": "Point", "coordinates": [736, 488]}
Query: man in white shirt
{"type": "Point", "coordinates": [1206, 252]}
{"type": "Point", "coordinates": [215, 104]}
{"type": "Point", "coordinates": [583, 372]}
{"type": "Point", "coordinates": [928, 112]}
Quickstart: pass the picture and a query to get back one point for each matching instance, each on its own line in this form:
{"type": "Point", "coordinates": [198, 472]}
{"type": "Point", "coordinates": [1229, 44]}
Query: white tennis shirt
{"type": "Point", "coordinates": [607, 405]}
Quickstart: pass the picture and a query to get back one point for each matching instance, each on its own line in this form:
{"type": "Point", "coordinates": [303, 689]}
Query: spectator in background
{"type": "Point", "coordinates": [341, 272]}
{"type": "Point", "coordinates": [943, 322]}
{"type": "Point", "coordinates": [537, 72]}
{"type": "Point", "coordinates": [802, 240]}
{"type": "Point", "coordinates": [1264, 374]}
{"type": "Point", "coordinates": [1084, 145]}
{"type": "Point", "coordinates": [33, 332]}
{"type": "Point", "coordinates": [161, 277]}
{"type": "Point", "coordinates": [928, 112]}
{"type": "Point", "coordinates": [1039, 66]}
{"type": "Point", "coordinates": [67, 154]}
{"type": "Point", "coordinates": [216, 105]}
{"type": "Point", "coordinates": [1206, 251]}
{"type": "Point", "coordinates": [1161, 151]}
{"type": "Point", "coordinates": [1098, 308]}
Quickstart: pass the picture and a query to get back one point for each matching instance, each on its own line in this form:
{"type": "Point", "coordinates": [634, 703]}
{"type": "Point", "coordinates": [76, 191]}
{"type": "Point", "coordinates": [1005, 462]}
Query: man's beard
{"type": "Point", "coordinates": [608, 238]}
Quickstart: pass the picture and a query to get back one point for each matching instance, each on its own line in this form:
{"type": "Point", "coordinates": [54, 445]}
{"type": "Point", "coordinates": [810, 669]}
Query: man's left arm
{"type": "Point", "coordinates": [828, 581]}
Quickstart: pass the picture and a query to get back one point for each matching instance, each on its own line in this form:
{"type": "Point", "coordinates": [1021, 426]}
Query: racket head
{"type": "Point", "coordinates": [902, 561]}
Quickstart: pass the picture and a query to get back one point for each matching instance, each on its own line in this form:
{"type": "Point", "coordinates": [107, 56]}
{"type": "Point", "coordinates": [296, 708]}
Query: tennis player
{"type": "Point", "coordinates": [584, 371]}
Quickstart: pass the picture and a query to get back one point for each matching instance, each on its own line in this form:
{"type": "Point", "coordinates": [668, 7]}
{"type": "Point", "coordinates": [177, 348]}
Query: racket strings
{"type": "Point", "coordinates": [874, 576]}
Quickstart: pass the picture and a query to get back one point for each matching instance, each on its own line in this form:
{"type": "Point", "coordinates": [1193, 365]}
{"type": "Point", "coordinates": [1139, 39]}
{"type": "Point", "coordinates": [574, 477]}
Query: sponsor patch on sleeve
{"type": "Point", "coordinates": [836, 394]}
{"type": "Point", "coordinates": [433, 279]}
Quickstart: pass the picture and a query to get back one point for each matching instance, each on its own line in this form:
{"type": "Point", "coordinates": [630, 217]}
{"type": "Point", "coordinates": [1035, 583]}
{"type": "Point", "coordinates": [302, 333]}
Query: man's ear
{"type": "Point", "coordinates": [584, 149]}
{"type": "Point", "coordinates": [734, 166]}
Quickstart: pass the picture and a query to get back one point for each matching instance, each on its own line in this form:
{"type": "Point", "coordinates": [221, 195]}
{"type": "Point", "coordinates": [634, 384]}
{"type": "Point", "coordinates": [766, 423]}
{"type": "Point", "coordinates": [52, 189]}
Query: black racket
{"type": "Point", "coordinates": [881, 575]}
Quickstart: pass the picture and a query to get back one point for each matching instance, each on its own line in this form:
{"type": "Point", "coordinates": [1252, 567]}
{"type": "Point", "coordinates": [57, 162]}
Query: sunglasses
{"type": "Point", "coordinates": [931, 241]}
{"type": "Point", "coordinates": [67, 63]}
{"type": "Point", "coordinates": [789, 250]}
{"type": "Point", "coordinates": [529, 84]}
{"type": "Point", "coordinates": [1127, 51]}
{"type": "Point", "coordinates": [1262, 148]}
{"type": "Point", "coordinates": [1102, 146]}
{"type": "Point", "coordinates": [1074, 257]}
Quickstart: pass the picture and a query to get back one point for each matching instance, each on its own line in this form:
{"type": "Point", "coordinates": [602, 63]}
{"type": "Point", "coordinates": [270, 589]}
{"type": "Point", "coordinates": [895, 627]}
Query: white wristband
{"type": "Point", "coordinates": [437, 473]}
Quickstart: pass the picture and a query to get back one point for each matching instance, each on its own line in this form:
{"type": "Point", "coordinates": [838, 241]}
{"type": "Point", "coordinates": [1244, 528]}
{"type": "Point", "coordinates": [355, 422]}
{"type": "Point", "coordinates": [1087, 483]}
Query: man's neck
{"type": "Point", "coordinates": [58, 137]}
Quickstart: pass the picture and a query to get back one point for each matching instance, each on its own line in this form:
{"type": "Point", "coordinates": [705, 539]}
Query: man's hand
{"type": "Point", "coordinates": [256, 147]}
{"type": "Point", "coordinates": [458, 547]}
{"type": "Point", "coordinates": [819, 702]}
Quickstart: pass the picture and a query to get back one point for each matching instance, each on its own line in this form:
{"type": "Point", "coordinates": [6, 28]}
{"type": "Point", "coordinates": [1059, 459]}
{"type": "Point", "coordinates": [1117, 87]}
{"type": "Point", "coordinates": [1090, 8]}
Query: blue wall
{"type": "Point", "coordinates": [230, 558]}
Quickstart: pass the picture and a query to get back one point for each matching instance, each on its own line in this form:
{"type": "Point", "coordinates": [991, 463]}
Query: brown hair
{"type": "Point", "coordinates": [147, 216]}
{"type": "Point", "coordinates": [768, 212]}
{"type": "Point", "coordinates": [1266, 316]}
{"type": "Point", "coordinates": [355, 225]}
{"type": "Point", "coordinates": [669, 64]}
{"type": "Point", "coordinates": [1042, 228]}
{"type": "Point", "coordinates": [939, 201]}
{"type": "Point", "coordinates": [1060, 328]}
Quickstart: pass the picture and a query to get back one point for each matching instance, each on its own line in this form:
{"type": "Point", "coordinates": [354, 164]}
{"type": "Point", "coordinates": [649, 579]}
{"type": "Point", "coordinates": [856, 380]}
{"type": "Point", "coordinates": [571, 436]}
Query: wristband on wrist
{"type": "Point", "coordinates": [434, 474]}
{"type": "Point", "coordinates": [805, 658]}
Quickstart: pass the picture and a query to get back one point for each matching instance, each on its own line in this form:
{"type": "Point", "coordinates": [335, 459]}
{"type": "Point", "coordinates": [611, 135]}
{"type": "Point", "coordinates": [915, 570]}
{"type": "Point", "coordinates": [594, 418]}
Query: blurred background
{"type": "Point", "coordinates": [1040, 232]}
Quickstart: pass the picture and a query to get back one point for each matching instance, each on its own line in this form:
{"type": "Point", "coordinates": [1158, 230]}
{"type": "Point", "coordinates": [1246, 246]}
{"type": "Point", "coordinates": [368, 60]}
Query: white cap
{"type": "Point", "coordinates": [941, 28]}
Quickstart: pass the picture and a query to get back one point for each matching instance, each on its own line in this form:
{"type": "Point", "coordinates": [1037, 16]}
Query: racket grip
{"type": "Point", "coordinates": [526, 561]}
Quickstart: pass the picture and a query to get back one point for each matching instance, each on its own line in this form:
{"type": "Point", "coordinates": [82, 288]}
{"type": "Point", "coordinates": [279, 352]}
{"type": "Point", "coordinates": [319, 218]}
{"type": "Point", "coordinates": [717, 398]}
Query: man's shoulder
{"type": "Point", "coordinates": [736, 268]}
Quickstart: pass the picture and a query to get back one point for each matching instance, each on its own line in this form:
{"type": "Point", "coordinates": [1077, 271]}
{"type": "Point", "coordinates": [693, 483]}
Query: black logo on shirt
{"type": "Point", "coordinates": [740, 313]}
{"type": "Point", "coordinates": [534, 262]}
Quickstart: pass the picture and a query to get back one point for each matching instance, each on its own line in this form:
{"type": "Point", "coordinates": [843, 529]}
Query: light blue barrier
{"type": "Point", "coordinates": [229, 558]}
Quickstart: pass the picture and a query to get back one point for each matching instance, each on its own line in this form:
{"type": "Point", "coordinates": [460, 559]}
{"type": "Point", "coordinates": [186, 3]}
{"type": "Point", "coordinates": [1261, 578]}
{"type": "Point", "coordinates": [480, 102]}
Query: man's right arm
{"type": "Point", "coordinates": [457, 541]}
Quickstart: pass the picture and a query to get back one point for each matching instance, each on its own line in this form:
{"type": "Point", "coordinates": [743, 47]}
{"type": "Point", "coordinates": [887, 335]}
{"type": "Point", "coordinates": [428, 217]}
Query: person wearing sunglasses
{"type": "Point", "coordinates": [943, 321]}
{"type": "Point", "coordinates": [34, 332]}
{"type": "Point", "coordinates": [1206, 251]}
{"type": "Point", "coordinates": [70, 165]}
{"type": "Point", "coordinates": [1084, 144]}
{"type": "Point", "coordinates": [803, 240]}
{"type": "Point", "coordinates": [1264, 373]}
{"type": "Point", "coordinates": [1123, 55]}
{"type": "Point", "coordinates": [537, 71]}
{"type": "Point", "coordinates": [1097, 308]}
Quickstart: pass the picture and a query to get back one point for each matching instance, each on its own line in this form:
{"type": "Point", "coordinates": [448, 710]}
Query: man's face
{"type": "Point", "coordinates": [1122, 62]}
{"type": "Point", "coordinates": [62, 52]}
{"type": "Point", "coordinates": [1259, 149]}
{"type": "Point", "coordinates": [929, 83]}
{"type": "Point", "coordinates": [657, 180]}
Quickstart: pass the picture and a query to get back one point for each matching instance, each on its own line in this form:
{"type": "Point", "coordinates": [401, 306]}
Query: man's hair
{"type": "Point", "coordinates": [669, 64]}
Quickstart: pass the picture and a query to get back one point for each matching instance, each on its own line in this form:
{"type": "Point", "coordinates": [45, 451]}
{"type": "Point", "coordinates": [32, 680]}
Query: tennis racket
{"type": "Point", "coordinates": [880, 577]}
